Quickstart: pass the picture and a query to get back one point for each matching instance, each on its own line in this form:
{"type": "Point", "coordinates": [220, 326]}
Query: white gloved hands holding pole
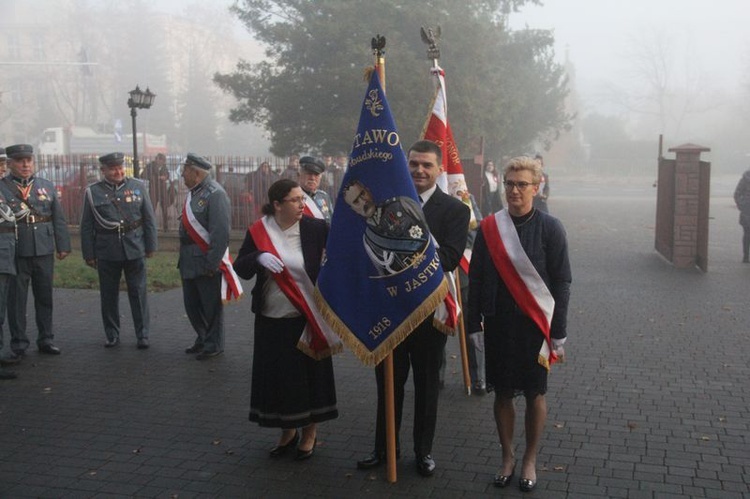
{"type": "Point", "coordinates": [271, 262]}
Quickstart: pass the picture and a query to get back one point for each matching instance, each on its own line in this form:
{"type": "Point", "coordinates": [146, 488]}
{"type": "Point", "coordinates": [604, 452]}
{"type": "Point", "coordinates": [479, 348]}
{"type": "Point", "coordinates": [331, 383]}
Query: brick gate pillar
{"type": "Point", "coordinates": [690, 196]}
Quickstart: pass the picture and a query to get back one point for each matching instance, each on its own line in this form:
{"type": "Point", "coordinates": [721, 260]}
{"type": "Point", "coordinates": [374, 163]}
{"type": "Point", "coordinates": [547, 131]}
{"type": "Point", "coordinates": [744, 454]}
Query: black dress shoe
{"type": "Point", "coordinates": [5, 374]}
{"type": "Point", "coordinates": [194, 349]}
{"type": "Point", "coordinates": [526, 484]}
{"type": "Point", "coordinates": [280, 450]}
{"type": "Point", "coordinates": [208, 355]}
{"type": "Point", "coordinates": [143, 343]}
{"type": "Point", "coordinates": [502, 481]}
{"type": "Point", "coordinates": [19, 353]}
{"type": "Point", "coordinates": [112, 343]}
{"type": "Point", "coordinates": [425, 465]}
{"type": "Point", "coordinates": [373, 460]}
{"type": "Point", "coordinates": [305, 454]}
{"type": "Point", "coordinates": [10, 360]}
{"type": "Point", "coordinates": [49, 349]}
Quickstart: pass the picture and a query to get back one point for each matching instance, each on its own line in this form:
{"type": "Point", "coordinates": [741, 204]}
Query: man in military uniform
{"type": "Point", "coordinates": [204, 238]}
{"type": "Point", "coordinates": [310, 172]}
{"type": "Point", "coordinates": [41, 229]}
{"type": "Point", "coordinates": [118, 229]}
{"type": "Point", "coordinates": [396, 233]}
{"type": "Point", "coordinates": [7, 270]}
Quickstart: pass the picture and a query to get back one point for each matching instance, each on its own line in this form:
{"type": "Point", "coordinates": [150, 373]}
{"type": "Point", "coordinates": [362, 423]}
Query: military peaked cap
{"type": "Point", "coordinates": [199, 161]}
{"type": "Point", "coordinates": [19, 151]}
{"type": "Point", "coordinates": [2, 154]}
{"type": "Point", "coordinates": [313, 165]}
{"type": "Point", "coordinates": [112, 159]}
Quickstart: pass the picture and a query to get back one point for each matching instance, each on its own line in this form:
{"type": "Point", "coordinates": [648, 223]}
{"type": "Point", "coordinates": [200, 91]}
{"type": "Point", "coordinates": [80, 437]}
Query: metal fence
{"type": "Point", "coordinates": [72, 173]}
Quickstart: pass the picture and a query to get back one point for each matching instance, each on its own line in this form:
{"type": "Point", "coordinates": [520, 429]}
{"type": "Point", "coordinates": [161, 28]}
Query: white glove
{"type": "Point", "coordinates": [271, 262]}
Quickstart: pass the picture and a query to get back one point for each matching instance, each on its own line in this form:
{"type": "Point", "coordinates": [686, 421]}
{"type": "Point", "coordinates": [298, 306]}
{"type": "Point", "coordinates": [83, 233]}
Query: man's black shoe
{"type": "Point", "coordinates": [10, 360]}
{"type": "Point", "coordinates": [194, 349]}
{"type": "Point", "coordinates": [374, 460]}
{"type": "Point", "coordinates": [371, 461]}
{"type": "Point", "coordinates": [5, 374]}
{"type": "Point", "coordinates": [19, 353]}
{"type": "Point", "coordinates": [425, 465]}
{"type": "Point", "coordinates": [112, 343]}
{"type": "Point", "coordinates": [49, 349]}
{"type": "Point", "coordinates": [208, 355]}
{"type": "Point", "coordinates": [143, 343]}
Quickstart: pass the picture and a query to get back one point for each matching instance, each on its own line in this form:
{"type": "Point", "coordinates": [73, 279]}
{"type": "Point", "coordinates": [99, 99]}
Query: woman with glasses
{"type": "Point", "coordinates": [519, 284]}
{"type": "Point", "coordinates": [290, 389]}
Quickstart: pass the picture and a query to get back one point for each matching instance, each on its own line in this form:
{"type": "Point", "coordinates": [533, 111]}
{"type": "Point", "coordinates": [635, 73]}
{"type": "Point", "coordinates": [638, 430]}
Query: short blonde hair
{"type": "Point", "coordinates": [521, 163]}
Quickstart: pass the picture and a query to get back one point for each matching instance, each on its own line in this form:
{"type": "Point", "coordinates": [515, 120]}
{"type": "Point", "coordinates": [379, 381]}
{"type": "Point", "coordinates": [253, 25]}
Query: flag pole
{"type": "Point", "coordinates": [378, 50]}
{"type": "Point", "coordinates": [431, 36]}
{"type": "Point", "coordinates": [462, 337]}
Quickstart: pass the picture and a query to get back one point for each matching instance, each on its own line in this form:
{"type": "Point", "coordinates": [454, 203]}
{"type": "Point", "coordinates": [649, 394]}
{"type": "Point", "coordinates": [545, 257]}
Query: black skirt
{"type": "Point", "coordinates": [512, 342]}
{"type": "Point", "coordinates": [289, 389]}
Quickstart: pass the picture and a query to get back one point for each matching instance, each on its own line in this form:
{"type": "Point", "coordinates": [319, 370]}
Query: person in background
{"type": "Point", "coordinates": [742, 200]}
{"type": "Point", "coordinates": [519, 286]}
{"type": "Point", "coordinates": [292, 169]}
{"type": "Point", "coordinates": [41, 231]}
{"type": "Point", "coordinates": [258, 183]}
{"type": "Point", "coordinates": [157, 174]}
{"type": "Point", "coordinates": [3, 162]}
{"type": "Point", "coordinates": [310, 173]}
{"type": "Point", "coordinates": [540, 200]}
{"type": "Point", "coordinates": [290, 390]}
{"type": "Point", "coordinates": [491, 195]}
{"type": "Point", "coordinates": [118, 231]}
{"type": "Point", "coordinates": [204, 239]}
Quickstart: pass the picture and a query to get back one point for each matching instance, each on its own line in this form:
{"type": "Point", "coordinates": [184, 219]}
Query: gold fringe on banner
{"type": "Point", "coordinates": [374, 358]}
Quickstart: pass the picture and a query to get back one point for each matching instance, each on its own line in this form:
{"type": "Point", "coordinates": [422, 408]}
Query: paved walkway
{"type": "Point", "coordinates": [653, 401]}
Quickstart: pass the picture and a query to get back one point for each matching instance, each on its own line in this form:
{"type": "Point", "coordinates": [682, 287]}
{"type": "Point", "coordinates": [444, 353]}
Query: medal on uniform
{"type": "Point", "coordinates": [128, 199]}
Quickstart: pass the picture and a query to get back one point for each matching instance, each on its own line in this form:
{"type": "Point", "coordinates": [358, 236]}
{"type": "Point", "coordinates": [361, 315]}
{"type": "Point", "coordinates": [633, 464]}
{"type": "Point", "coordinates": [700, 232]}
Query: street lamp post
{"type": "Point", "coordinates": [138, 100]}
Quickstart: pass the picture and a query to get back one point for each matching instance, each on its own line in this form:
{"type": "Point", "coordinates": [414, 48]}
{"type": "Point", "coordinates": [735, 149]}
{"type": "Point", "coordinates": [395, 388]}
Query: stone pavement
{"type": "Point", "coordinates": [652, 403]}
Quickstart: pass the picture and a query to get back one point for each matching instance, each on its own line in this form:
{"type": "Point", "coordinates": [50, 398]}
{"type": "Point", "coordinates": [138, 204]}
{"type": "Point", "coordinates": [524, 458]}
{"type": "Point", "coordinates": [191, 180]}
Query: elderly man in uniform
{"type": "Point", "coordinates": [204, 238]}
{"type": "Point", "coordinates": [41, 229]}
{"type": "Point", "coordinates": [118, 229]}
{"type": "Point", "coordinates": [310, 172]}
{"type": "Point", "coordinates": [7, 268]}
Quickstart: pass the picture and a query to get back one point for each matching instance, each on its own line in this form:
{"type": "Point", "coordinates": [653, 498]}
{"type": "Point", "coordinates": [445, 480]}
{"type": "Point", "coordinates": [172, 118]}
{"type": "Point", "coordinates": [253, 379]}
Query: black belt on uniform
{"type": "Point", "coordinates": [5, 230]}
{"type": "Point", "coordinates": [37, 219]}
{"type": "Point", "coordinates": [122, 227]}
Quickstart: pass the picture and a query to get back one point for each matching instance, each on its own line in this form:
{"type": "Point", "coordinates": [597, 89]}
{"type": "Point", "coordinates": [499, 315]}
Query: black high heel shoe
{"type": "Point", "coordinates": [526, 484]}
{"type": "Point", "coordinates": [306, 454]}
{"type": "Point", "coordinates": [280, 450]}
{"type": "Point", "coordinates": [502, 481]}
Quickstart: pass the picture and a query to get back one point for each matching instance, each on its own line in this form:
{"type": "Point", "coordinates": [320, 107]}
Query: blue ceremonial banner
{"type": "Point", "coordinates": [382, 276]}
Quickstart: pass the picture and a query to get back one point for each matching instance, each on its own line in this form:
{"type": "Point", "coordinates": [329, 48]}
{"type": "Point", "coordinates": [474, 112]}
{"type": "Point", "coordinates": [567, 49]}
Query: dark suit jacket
{"type": "Point", "coordinates": [448, 220]}
{"type": "Point", "coordinates": [313, 234]}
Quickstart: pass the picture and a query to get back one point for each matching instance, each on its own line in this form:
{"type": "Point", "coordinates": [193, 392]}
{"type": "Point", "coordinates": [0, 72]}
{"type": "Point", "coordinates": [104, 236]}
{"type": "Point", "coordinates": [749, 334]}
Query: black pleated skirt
{"type": "Point", "coordinates": [289, 389]}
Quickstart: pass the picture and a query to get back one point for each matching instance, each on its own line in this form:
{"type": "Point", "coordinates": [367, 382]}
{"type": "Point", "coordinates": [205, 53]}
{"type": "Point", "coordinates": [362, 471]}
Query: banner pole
{"type": "Point", "coordinates": [462, 337]}
{"type": "Point", "coordinates": [378, 50]}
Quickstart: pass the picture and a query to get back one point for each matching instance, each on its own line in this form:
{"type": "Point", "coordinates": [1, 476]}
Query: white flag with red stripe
{"type": "Point", "coordinates": [452, 180]}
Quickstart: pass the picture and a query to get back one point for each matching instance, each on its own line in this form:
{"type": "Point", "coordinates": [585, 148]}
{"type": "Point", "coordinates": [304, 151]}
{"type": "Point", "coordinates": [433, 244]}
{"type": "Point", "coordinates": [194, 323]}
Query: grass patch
{"type": "Point", "coordinates": [161, 273]}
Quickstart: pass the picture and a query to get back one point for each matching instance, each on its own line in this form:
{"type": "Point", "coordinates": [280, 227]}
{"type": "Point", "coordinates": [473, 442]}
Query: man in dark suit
{"type": "Point", "coordinates": [448, 221]}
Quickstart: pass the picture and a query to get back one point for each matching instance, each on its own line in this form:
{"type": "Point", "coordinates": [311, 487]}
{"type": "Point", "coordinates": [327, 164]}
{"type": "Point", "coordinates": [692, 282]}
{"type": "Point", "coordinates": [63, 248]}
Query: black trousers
{"type": "Point", "coordinates": [422, 350]}
{"type": "Point", "coordinates": [205, 310]}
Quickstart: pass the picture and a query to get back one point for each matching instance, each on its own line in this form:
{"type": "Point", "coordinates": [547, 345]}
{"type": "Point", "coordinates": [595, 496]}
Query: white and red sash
{"type": "Point", "coordinates": [231, 288]}
{"type": "Point", "coordinates": [311, 208]}
{"type": "Point", "coordinates": [520, 277]}
{"type": "Point", "coordinates": [317, 340]}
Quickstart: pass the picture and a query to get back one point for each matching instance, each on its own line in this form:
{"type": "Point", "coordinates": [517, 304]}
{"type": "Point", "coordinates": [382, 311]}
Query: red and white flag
{"type": "Point", "coordinates": [452, 181]}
